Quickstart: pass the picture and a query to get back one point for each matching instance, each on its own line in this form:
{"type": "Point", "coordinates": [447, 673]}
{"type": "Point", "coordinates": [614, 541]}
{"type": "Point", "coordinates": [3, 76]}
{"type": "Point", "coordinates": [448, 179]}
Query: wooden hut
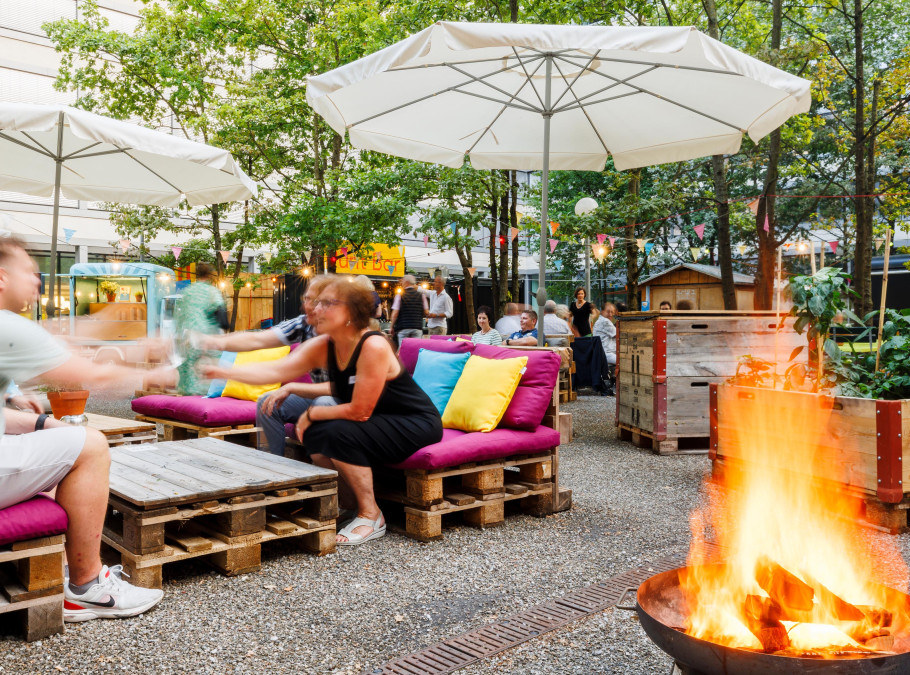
{"type": "Point", "coordinates": [699, 285]}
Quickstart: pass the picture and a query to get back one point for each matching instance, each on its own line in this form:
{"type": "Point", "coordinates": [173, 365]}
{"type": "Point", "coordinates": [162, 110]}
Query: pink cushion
{"type": "Point", "coordinates": [39, 516]}
{"type": "Point", "coordinates": [458, 447]}
{"type": "Point", "coordinates": [206, 412]}
{"type": "Point", "coordinates": [535, 391]}
{"type": "Point", "coordinates": [410, 348]}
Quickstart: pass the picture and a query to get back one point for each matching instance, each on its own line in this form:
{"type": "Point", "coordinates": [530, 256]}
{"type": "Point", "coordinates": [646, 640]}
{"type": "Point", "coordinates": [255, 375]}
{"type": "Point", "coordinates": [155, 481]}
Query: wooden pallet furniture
{"type": "Point", "coordinates": [666, 361]}
{"type": "Point", "coordinates": [209, 498]}
{"type": "Point", "coordinates": [31, 584]}
{"type": "Point", "coordinates": [175, 430]}
{"type": "Point", "coordinates": [122, 432]}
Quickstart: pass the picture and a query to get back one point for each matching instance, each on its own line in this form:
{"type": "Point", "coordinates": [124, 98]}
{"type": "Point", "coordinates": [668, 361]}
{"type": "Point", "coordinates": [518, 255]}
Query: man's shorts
{"type": "Point", "coordinates": [37, 461]}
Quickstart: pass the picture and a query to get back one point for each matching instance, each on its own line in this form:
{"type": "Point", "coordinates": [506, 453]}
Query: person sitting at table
{"type": "Point", "coordinates": [487, 335]}
{"type": "Point", "coordinates": [605, 329]}
{"type": "Point", "coordinates": [554, 326]}
{"type": "Point", "coordinates": [526, 335]}
{"type": "Point", "coordinates": [382, 415]}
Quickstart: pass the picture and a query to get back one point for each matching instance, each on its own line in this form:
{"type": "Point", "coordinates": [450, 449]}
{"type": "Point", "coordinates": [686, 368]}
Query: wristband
{"type": "Point", "coordinates": [39, 423]}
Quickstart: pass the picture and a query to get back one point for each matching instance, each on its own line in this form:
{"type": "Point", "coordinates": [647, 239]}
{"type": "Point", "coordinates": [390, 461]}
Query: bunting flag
{"type": "Point", "coordinates": [472, 271]}
{"type": "Point", "coordinates": [344, 250]}
{"type": "Point", "coordinates": [454, 227]}
{"type": "Point", "coordinates": [753, 207]}
{"type": "Point", "coordinates": [696, 252]}
{"type": "Point", "coordinates": [742, 249]}
{"type": "Point", "coordinates": [879, 241]}
{"type": "Point", "coordinates": [767, 223]}
{"type": "Point", "coordinates": [833, 246]}
{"type": "Point", "coordinates": [268, 256]}
{"type": "Point", "coordinates": [612, 242]}
{"type": "Point", "coordinates": [426, 240]}
{"type": "Point", "coordinates": [224, 256]}
{"type": "Point", "coordinates": [305, 256]}
{"type": "Point", "coordinates": [553, 227]}
{"type": "Point", "coordinates": [700, 231]}
{"type": "Point", "coordinates": [648, 248]}
{"type": "Point", "coordinates": [553, 244]}
{"type": "Point", "coordinates": [641, 244]}
{"type": "Point", "coordinates": [68, 234]}
{"type": "Point", "coordinates": [176, 250]}
{"type": "Point", "coordinates": [601, 238]}
{"type": "Point", "coordinates": [513, 232]}
{"type": "Point", "coordinates": [125, 245]}
{"type": "Point", "coordinates": [391, 267]}
{"type": "Point", "coordinates": [432, 272]}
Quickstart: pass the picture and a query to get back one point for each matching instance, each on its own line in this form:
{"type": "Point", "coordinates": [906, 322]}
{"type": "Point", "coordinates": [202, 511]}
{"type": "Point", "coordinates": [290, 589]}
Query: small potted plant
{"type": "Point", "coordinates": [67, 403]}
{"type": "Point", "coordinates": [110, 289]}
{"type": "Point", "coordinates": [139, 297]}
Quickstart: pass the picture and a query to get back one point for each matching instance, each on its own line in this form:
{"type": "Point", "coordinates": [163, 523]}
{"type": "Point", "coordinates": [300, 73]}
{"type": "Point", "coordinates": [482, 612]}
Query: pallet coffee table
{"type": "Point", "coordinates": [120, 431]}
{"type": "Point", "coordinates": [206, 497]}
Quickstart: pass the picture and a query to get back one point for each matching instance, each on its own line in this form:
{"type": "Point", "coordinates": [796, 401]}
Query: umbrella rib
{"type": "Point", "coordinates": [76, 152]}
{"type": "Point", "coordinates": [615, 83]}
{"type": "Point", "coordinates": [588, 117]}
{"type": "Point", "coordinates": [497, 59]}
{"type": "Point", "coordinates": [40, 150]}
{"type": "Point", "coordinates": [715, 71]}
{"type": "Point", "coordinates": [152, 171]}
{"type": "Point", "coordinates": [530, 75]}
{"type": "Point", "coordinates": [574, 80]}
{"type": "Point", "coordinates": [481, 80]}
{"type": "Point", "coordinates": [103, 152]}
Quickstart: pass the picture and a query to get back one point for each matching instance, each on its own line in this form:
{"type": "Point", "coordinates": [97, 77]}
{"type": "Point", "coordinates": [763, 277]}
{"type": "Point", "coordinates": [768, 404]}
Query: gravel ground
{"type": "Point", "coordinates": [358, 608]}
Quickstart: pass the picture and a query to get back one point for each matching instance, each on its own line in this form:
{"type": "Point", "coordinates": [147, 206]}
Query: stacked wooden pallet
{"type": "Point", "coordinates": [31, 583]}
{"type": "Point", "coordinates": [174, 430]}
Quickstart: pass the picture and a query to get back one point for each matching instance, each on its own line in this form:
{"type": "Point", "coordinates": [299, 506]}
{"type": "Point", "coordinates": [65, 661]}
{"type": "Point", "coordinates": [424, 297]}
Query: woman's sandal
{"type": "Point", "coordinates": [357, 539]}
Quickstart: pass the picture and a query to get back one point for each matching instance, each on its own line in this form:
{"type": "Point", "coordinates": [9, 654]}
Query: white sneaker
{"type": "Point", "coordinates": [110, 598]}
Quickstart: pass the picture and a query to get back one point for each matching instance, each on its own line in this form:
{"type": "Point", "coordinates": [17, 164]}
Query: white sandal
{"type": "Point", "coordinates": [357, 539]}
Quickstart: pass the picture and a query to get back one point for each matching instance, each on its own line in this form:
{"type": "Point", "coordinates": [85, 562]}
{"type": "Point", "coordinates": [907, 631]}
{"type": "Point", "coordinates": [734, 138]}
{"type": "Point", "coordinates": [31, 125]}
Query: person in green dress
{"type": "Point", "coordinates": [201, 309]}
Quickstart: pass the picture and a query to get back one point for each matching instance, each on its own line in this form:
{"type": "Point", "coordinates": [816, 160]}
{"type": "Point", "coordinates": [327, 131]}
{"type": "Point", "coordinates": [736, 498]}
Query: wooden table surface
{"type": "Point", "coordinates": [116, 425]}
{"type": "Point", "coordinates": [151, 475]}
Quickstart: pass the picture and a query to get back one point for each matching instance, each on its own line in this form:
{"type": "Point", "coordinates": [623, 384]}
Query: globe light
{"type": "Point", "coordinates": [584, 206]}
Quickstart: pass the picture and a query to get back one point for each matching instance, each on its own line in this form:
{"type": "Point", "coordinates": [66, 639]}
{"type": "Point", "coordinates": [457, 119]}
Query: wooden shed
{"type": "Point", "coordinates": [697, 284]}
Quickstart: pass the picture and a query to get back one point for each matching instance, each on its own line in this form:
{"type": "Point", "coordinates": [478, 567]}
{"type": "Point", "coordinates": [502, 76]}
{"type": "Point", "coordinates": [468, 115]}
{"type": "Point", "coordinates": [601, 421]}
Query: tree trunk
{"type": "Point", "coordinates": [466, 260]}
{"type": "Point", "coordinates": [632, 249]}
{"type": "Point", "coordinates": [236, 296]}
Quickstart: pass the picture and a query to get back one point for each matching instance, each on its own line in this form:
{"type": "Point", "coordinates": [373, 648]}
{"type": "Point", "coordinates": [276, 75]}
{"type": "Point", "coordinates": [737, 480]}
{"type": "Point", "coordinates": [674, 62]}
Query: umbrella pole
{"type": "Point", "coordinates": [544, 196]}
{"type": "Point", "coordinates": [52, 276]}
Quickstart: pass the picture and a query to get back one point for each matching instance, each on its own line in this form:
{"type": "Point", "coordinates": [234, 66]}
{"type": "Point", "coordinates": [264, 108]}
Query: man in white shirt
{"type": "Point", "coordinates": [510, 322]}
{"type": "Point", "coordinates": [441, 308]}
{"type": "Point", "coordinates": [553, 325]}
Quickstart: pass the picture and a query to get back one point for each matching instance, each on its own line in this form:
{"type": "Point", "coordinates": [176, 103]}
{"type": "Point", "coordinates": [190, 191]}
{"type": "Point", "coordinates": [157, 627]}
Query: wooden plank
{"type": "Point", "coordinates": [189, 542]}
{"type": "Point", "coordinates": [40, 542]}
{"type": "Point", "coordinates": [174, 472]}
{"type": "Point", "coordinates": [291, 468]}
{"type": "Point", "coordinates": [115, 425]}
{"type": "Point", "coordinates": [6, 606]}
{"type": "Point", "coordinates": [136, 487]}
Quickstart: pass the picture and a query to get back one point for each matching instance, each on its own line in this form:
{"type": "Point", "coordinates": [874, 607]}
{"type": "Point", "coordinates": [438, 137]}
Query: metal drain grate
{"type": "Point", "coordinates": [458, 652]}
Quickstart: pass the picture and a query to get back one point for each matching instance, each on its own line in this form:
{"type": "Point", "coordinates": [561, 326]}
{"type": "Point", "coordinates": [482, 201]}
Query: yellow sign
{"type": "Point", "coordinates": [382, 261]}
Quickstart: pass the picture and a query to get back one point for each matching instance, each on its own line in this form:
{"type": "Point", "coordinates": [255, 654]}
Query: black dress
{"type": "Point", "coordinates": [403, 421]}
{"type": "Point", "coordinates": [581, 318]}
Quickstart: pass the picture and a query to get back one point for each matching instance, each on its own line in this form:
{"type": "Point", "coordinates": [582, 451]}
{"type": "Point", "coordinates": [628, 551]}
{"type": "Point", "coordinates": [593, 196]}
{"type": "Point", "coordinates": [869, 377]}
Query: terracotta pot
{"type": "Point", "coordinates": [67, 402]}
{"type": "Point", "coordinates": [111, 297]}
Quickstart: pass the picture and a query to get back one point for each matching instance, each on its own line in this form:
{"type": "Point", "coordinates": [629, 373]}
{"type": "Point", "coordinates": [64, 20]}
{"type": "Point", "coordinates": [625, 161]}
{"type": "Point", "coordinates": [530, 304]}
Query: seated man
{"type": "Point", "coordinates": [553, 325]}
{"type": "Point", "coordinates": [527, 334]}
{"type": "Point", "coordinates": [285, 405]}
{"type": "Point", "coordinates": [38, 453]}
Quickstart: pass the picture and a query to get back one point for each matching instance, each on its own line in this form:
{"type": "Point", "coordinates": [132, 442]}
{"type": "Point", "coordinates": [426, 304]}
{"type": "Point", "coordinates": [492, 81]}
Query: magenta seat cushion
{"type": "Point", "coordinates": [39, 516]}
{"type": "Point", "coordinates": [458, 447]}
{"type": "Point", "coordinates": [535, 391]}
{"type": "Point", "coordinates": [410, 349]}
{"type": "Point", "coordinates": [206, 412]}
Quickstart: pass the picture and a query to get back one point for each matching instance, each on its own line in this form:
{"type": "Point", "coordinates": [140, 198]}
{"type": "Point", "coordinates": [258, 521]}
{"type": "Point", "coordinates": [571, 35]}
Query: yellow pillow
{"type": "Point", "coordinates": [251, 392]}
{"type": "Point", "coordinates": [459, 339]}
{"type": "Point", "coordinates": [482, 393]}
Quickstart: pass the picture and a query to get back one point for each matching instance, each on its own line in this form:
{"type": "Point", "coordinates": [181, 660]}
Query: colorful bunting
{"type": "Point", "coordinates": [513, 232]}
{"type": "Point", "coordinates": [472, 271]}
{"type": "Point", "coordinates": [176, 250]}
{"type": "Point", "coordinates": [454, 227]}
{"type": "Point", "coordinates": [305, 256]}
{"type": "Point", "coordinates": [553, 227]}
{"type": "Point", "coordinates": [753, 207]}
{"type": "Point", "coordinates": [700, 231]}
{"type": "Point", "coordinates": [833, 245]}
{"type": "Point", "coordinates": [696, 252]}
{"type": "Point", "coordinates": [742, 249]}
{"type": "Point", "coordinates": [224, 256]}
{"type": "Point", "coordinates": [767, 224]}
{"type": "Point", "coordinates": [553, 244]}
{"type": "Point", "coordinates": [879, 241]}
{"type": "Point", "coordinates": [601, 238]}
{"type": "Point", "coordinates": [641, 244]}
{"type": "Point", "coordinates": [612, 242]}
{"type": "Point", "coordinates": [426, 240]}
{"type": "Point", "coordinates": [124, 245]}
{"type": "Point", "coordinates": [268, 256]}
{"type": "Point", "coordinates": [68, 234]}
{"type": "Point", "coordinates": [344, 250]}
{"type": "Point", "coordinates": [648, 248]}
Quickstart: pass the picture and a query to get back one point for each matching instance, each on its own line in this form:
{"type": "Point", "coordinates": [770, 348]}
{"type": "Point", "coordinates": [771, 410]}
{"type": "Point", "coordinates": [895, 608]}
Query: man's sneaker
{"type": "Point", "coordinates": [110, 598]}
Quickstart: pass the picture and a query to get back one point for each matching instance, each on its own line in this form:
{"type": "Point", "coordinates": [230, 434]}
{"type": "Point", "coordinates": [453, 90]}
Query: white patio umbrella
{"type": "Point", "coordinates": [527, 97]}
{"type": "Point", "coordinates": [54, 150]}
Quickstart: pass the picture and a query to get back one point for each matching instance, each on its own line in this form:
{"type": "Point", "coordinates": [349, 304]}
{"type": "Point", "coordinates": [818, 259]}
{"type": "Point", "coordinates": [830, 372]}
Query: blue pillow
{"type": "Point", "coordinates": [437, 372]}
{"type": "Point", "coordinates": [217, 386]}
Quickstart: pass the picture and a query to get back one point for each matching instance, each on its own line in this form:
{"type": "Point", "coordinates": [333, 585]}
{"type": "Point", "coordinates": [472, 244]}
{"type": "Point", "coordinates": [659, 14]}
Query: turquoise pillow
{"type": "Point", "coordinates": [437, 372]}
{"type": "Point", "coordinates": [217, 386]}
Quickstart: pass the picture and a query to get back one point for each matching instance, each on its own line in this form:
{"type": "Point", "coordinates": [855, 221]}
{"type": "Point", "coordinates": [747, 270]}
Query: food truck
{"type": "Point", "coordinates": [114, 305]}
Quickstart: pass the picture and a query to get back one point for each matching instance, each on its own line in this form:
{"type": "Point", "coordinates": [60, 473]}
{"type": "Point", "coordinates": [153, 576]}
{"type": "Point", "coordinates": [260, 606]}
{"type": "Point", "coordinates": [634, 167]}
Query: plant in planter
{"type": "Point", "coordinates": [109, 288]}
{"type": "Point", "coordinates": [139, 297]}
{"type": "Point", "coordinates": [66, 401]}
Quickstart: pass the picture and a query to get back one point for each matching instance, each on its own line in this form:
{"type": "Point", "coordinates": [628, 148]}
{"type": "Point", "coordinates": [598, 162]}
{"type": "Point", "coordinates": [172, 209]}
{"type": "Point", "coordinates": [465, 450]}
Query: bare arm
{"type": "Point", "coordinates": [20, 422]}
{"type": "Point", "coordinates": [82, 372]}
{"type": "Point", "coordinates": [523, 342]}
{"type": "Point", "coordinates": [311, 354]}
{"type": "Point", "coordinates": [376, 364]}
{"type": "Point", "coordinates": [246, 341]}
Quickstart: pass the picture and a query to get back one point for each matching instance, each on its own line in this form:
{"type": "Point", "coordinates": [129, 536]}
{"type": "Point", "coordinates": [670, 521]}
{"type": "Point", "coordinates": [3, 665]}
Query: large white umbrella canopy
{"type": "Point", "coordinates": [527, 97]}
{"type": "Point", "coordinates": [54, 150]}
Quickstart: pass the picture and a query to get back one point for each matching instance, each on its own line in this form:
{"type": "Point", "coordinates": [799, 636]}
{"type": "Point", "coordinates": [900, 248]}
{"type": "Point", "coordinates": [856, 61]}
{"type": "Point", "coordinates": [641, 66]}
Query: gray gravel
{"type": "Point", "coordinates": [361, 607]}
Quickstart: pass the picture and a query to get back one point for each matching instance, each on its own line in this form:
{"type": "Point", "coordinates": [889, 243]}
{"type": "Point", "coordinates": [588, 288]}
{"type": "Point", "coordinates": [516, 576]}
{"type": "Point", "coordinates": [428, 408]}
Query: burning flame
{"type": "Point", "coordinates": [800, 578]}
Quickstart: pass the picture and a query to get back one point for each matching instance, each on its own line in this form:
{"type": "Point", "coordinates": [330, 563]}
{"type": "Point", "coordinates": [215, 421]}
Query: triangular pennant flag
{"type": "Point", "coordinates": [700, 231]}
{"type": "Point", "coordinates": [553, 226]}
{"type": "Point", "coordinates": [601, 238]}
{"type": "Point", "coordinates": [454, 227]}
{"type": "Point", "coordinates": [648, 248]}
{"type": "Point", "coordinates": [224, 255]}
{"type": "Point", "coordinates": [641, 244]}
{"type": "Point", "coordinates": [513, 232]}
{"type": "Point", "coordinates": [612, 242]}
{"type": "Point", "coordinates": [472, 270]}
{"type": "Point", "coordinates": [344, 250]}
{"type": "Point", "coordinates": [833, 246]}
{"type": "Point", "coordinates": [879, 241]}
{"type": "Point", "coordinates": [742, 249]}
{"type": "Point", "coordinates": [305, 256]}
{"type": "Point", "coordinates": [124, 245]}
{"type": "Point", "coordinates": [696, 252]}
{"type": "Point", "coordinates": [390, 267]}
{"type": "Point", "coordinates": [767, 226]}
{"type": "Point", "coordinates": [426, 240]}
{"type": "Point", "coordinates": [753, 206]}
{"type": "Point", "coordinates": [176, 250]}
{"type": "Point", "coordinates": [268, 256]}
{"type": "Point", "coordinates": [553, 244]}
{"type": "Point", "coordinates": [68, 234]}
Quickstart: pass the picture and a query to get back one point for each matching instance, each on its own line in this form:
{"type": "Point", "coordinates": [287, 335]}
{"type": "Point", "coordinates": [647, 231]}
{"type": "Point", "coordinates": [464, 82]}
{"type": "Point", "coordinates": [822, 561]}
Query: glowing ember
{"type": "Point", "coordinates": [798, 579]}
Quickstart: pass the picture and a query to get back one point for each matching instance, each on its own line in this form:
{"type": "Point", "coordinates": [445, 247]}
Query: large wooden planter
{"type": "Point", "coordinates": [865, 444]}
{"type": "Point", "coordinates": [666, 362]}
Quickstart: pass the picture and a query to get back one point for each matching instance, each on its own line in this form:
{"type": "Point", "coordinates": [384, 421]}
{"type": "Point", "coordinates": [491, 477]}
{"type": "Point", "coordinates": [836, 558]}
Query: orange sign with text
{"type": "Point", "coordinates": [382, 261]}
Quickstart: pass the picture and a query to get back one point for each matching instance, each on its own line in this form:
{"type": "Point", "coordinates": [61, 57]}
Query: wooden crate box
{"type": "Point", "coordinates": [31, 584]}
{"type": "Point", "coordinates": [666, 362]}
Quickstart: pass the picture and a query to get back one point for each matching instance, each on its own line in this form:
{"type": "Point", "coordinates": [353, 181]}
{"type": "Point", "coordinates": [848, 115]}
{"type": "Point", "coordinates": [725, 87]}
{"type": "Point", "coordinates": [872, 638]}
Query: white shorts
{"type": "Point", "coordinates": [37, 461]}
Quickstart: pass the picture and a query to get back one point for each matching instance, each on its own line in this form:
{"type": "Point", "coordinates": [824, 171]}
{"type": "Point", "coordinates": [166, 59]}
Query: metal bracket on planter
{"type": "Point", "coordinates": [889, 451]}
{"type": "Point", "coordinates": [630, 608]}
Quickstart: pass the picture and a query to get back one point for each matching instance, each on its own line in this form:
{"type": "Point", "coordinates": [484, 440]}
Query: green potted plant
{"type": "Point", "coordinates": [109, 288]}
{"type": "Point", "coordinates": [66, 401]}
{"type": "Point", "coordinates": [139, 297]}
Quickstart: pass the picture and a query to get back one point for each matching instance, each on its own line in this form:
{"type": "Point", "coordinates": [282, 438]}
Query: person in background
{"type": "Point", "coordinates": [382, 416]}
{"type": "Point", "coordinates": [553, 325]}
{"type": "Point", "coordinates": [605, 329]}
{"type": "Point", "coordinates": [39, 454]}
{"type": "Point", "coordinates": [364, 282]}
{"type": "Point", "coordinates": [621, 307]}
{"type": "Point", "coordinates": [581, 311]}
{"type": "Point", "coordinates": [487, 335]}
{"type": "Point", "coordinates": [526, 335]}
{"type": "Point", "coordinates": [684, 305]}
{"type": "Point", "coordinates": [510, 321]}
{"type": "Point", "coordinates": [440, 309]}
{"type": "Point", "coordinates": [665, 306]}
{"type": "Point", "coordinates": [286, 404]}
{"type": "Point", "coordinates": [199, 311]}
{"type": "Point", "coordinates": [408, 310]}
{"type": "Point", "coordinates": [562, 311]}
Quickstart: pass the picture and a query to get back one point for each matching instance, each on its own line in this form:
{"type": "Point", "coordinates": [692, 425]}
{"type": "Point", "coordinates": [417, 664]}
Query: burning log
{"type": "Point", "coordinates": [787, 590]}
{"type": "Point", "coordinates": [877, 616]}
{"type": "Point", "coordinates": [762, 609]}
{"type": "Point", "coordinates": [839, 608]}
{"type": "Point", "coordinates": [882, 643]}
{"type": "Point", "coordinates": [759, 613]}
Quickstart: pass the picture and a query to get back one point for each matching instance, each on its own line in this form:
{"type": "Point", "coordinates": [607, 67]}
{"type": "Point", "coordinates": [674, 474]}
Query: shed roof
{"type": "Point", "coordinates": [708, 270]}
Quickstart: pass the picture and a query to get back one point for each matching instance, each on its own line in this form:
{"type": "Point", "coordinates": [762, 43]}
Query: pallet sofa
{"type": "Point", "coordinates": [475, 473]}
{"type": "Point", "coordinates": [31, 565]}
